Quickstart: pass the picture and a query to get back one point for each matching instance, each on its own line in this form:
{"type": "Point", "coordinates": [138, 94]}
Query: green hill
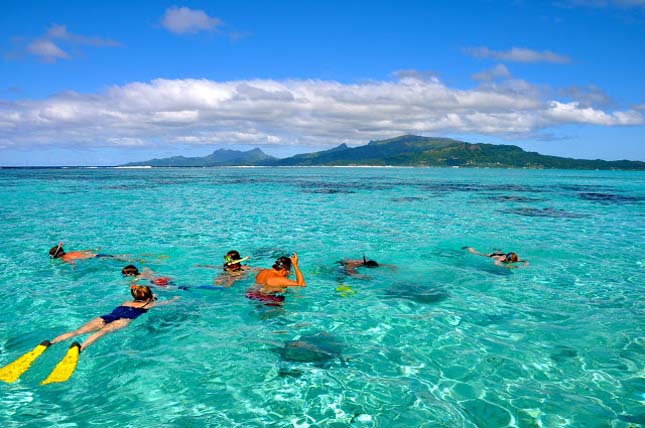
{"type": "Point", "coordinates": [410, 150]}
{"type": "Point", "coordinates": [221, 157]}
{"type": "Point", "coordinates": [407, 150]}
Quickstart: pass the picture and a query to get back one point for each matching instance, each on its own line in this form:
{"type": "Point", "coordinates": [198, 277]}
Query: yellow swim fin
{"type": "Point", "coordinates": [65, 368]}
{"type": "Point", "coordinates": [12, 371]}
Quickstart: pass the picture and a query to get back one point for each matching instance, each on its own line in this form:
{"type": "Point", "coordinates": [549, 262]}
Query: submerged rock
{"type": "Point", "coordinates": [544, 212]}
{"type": "Point", "coordinates": [321, 349]}
{"type": "Point", "coordinates": [417, 293]}
{"type": "Point", "coordinates": [609, 198]}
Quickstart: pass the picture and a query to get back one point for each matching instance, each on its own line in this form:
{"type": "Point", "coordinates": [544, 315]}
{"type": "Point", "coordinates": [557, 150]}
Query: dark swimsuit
{"type": "Point", "coordinates": [506, 255]}
{"type": "Point", "coordinates": [268, 299]}
{"type": "Point", "coordinates": [98, 256]}
{"type": "Point", "coordinates": [123, 312]}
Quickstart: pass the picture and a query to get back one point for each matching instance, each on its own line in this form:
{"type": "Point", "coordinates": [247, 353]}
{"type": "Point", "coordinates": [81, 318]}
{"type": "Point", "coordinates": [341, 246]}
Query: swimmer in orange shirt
{"type": "Point", "coordinates": [58, 252]}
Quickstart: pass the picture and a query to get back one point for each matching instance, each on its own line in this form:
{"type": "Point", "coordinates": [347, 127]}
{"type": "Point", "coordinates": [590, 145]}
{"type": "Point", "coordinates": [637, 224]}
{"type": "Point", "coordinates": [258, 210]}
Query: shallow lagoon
{"type": "Point", "coordinates": [445, 339]}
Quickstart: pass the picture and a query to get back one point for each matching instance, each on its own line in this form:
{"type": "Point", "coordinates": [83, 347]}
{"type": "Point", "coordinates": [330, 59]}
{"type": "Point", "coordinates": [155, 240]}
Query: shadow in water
{"type": "Point", "coordinates": [417, 293]}
{"type": "Point", "coordinates": [543, 212]}
{"type": "Point", "coordinates": [319, 349]}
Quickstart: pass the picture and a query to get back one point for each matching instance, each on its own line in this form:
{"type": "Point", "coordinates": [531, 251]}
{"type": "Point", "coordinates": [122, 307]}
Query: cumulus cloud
{"type": "Point", "coordinates": [181, 20]}
{"type": "Point", "coordinates": [588, 96]}
{"type": "Point", "coordinates": [290, 112]}
{"type": "Point", "coordinates": [415, 75]}
{"type": "Point", "coordinates": [518, 55]}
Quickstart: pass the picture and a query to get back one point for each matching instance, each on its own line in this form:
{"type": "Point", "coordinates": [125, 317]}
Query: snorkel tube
{"type": "Point", "coordinates": [54, 252]}
{"type": "Point", "coordinates": [230, 261]}
{"type": "Point", "coordinates": [369, 263]}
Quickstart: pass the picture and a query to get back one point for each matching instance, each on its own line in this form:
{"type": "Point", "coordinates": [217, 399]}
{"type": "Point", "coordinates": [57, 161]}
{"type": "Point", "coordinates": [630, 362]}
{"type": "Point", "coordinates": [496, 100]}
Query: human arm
{"type": "Point", "coordinates": [208, 266]}
{"type": "Point", "coordinates": [511, 265]}
{"type": "Point", "coordinates": [165, 302]}
{"type": "Point", "coordinates": [283, 281]}
{"type": "Point", "coordinates": [300, 279]}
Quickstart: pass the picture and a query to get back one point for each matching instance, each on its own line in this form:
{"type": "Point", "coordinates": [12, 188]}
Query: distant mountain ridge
{"type": "Point", "coordinates": [407, 150]}
{"type": "Point", "coordinates": [221, 157]}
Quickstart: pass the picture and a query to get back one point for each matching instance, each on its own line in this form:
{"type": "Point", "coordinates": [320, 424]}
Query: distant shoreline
{"type": "Point", "coordinates": [148, 167]}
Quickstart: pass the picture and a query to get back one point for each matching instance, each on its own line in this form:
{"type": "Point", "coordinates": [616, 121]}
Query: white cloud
{"type": "Point", "coordinates": [290, 112]}
{"type": "Point", "coordinates": [47, 50]}
{"type": "Point", "coordinates": [126, 142]}
{"type": "Point", "coordinates": [587, 96]}
{"type": "Point", "coordinates": [574, 113]}
{"type": "Point", "coordinates": [180, 20]}
{"type": "Point", "coordinates": [518, 55]}
{"type": "Point", "coordinates": [498, 72]}
{"type": "Point", "coordinates": [51, 46]}
{"type": "Point", "coordinates": [60, 32]}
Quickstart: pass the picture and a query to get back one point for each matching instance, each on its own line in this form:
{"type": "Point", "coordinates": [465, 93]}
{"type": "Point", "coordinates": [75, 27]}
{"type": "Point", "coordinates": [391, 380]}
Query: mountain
{"type": "Point", "coordinates": [407, 150]}
{"type": "Point", "coordinates": [221, 157]}
{"type": "Point", "coordinates": [411, 150]}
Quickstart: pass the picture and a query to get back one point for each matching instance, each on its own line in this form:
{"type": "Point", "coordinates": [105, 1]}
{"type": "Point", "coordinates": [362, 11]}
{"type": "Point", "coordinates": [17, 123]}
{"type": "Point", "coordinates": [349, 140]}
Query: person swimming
{"type": "Point", "coordinates": [499, 257]}
{"type": "Point", "coordinates": [271, 283]}
{"type": "Point", "coordinates": [119, 318]}
{"type": "Point", "coordinates": [58, 252]}
{"type": "Point", "coordinates": [132, 270]}
{"type": "Point", "coordinates": [232, 270]}
{"type": "Point", "coordinates": [350, 266]}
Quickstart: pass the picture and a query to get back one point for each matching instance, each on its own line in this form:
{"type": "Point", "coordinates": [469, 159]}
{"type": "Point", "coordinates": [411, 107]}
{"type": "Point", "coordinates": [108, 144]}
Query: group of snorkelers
{"type": "Point", "coordinates": [269, 288]}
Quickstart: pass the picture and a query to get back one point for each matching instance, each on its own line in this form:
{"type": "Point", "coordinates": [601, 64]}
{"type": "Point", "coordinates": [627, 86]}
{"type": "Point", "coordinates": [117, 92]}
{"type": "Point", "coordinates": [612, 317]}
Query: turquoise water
{"type": "Point", "coordinates": [444, 339]}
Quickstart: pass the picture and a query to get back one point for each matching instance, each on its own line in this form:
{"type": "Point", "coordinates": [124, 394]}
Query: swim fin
{"type": "Point", "coordinates": [12, 371]}
{"type": "Point", "coordinates": [65, 368]}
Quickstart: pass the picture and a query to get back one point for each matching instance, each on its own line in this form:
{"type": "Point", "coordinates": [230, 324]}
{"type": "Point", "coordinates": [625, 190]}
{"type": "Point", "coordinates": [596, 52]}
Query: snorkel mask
{"type": "Point", "coordinates": [369, 263]}
{"type": "Point", "coordinates": [283, 263]}
{"type": "Point", "coordinates": [229, 260]}
{"type": "Point", "coordinates": [58, 252]}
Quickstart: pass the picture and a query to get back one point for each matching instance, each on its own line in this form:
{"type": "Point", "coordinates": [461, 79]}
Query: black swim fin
{"type": "Point", "coordinates": [12, 371]}
{"type": "Point", "coordinates": [65, 368]}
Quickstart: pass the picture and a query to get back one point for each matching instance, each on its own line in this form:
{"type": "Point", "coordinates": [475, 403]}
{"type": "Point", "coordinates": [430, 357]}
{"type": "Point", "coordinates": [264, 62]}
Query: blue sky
{"type": "Point", "coordinates": [103, 83]}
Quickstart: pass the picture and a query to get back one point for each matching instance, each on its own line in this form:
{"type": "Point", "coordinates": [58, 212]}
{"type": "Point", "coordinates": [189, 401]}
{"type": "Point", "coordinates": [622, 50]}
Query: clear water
{"type": "Point", "coordinates": [446, 339]}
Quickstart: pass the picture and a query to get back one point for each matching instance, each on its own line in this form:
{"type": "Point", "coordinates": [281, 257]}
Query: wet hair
{"type": "Point", "coordinates": [511, 258]}
{"type": "Point", "coordinates": [230, 257]}
{"type": "Point", "coordinates": [141, 292]}
{"type": "Point", "coordinates": [369, 263]}
{"type": "Point", "coordinates": [282, 263]}
{"type": "Point", "coordinates": [130, 270]}
{"type": "Point", "coordinates": [234, 255]}
{"type": "Point", "coordinates": [56, 252]}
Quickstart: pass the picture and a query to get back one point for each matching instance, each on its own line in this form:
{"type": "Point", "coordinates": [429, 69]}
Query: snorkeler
{"type": "Point", "coordinates": [233, 268]}
{"type": "Point", "coordinates": [270, 283]}
{"type": "Point", "coordinates": [500, 258]}
{"type": "Point", "coordinates": [58, 252]}
{"type": "Point", "coordinates": [350, 266]}
{"type": "Point", "coordinates": [132, 270]}
{"type": "Point", "coordinates": [119, 318]}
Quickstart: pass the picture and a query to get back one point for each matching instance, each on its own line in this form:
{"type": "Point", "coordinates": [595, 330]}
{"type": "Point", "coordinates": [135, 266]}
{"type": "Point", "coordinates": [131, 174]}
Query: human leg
{"type": "Point", "coordinates": [93, 325]}
{"type": "Point", "coordinates": [107, 328]}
